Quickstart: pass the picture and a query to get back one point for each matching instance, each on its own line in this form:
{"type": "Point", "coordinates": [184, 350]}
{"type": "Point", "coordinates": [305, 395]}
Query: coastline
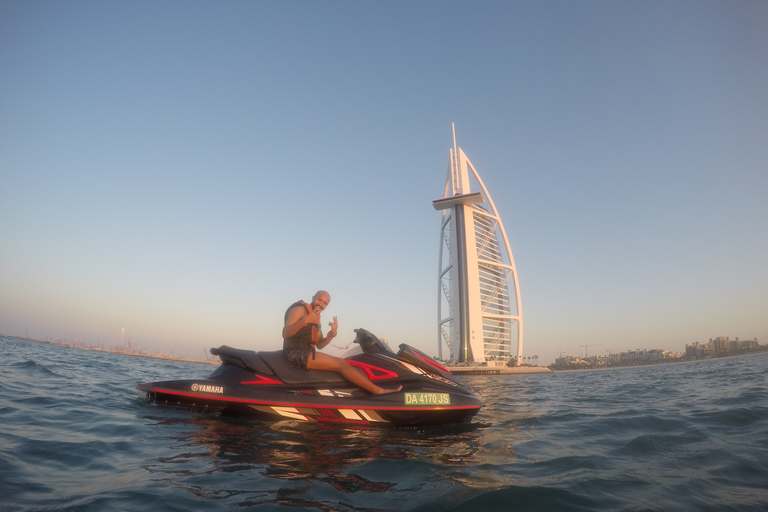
{"type": "Point", "coordinates": [685, 361]}
{"type": "Point", "coordinates": [497, 370]}
{"type": "Point", "coordinates": [456, 370]}
{"type": "Point", "coordinates": [134, 354]}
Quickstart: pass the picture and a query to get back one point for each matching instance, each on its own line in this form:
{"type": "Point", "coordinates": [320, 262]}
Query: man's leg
{"type": "Point", "coordinates": [352, 374]}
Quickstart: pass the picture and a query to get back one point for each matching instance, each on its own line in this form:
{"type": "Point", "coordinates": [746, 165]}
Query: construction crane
{"type": "Point", "coordinates": [586, 348]}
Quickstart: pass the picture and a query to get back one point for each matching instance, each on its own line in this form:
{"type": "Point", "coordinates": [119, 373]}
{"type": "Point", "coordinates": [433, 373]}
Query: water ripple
{"type": "Point", "coordinates": [75, 435]}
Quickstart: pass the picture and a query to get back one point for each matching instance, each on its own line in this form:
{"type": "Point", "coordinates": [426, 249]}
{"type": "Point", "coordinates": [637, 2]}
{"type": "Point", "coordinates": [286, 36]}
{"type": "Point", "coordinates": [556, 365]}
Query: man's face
{"type": "Point", "coordinates": [321, 301]}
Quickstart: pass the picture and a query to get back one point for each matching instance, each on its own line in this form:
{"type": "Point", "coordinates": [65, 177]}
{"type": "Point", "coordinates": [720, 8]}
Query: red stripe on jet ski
{"type": "Point", "coordinates": [369, 370]}
{"type": "Point", "coordinates": [429, 361]}
{"type": "Point", "coordinates": [294, 404]}
{"type": "Point", "coordinates": [263, 380]}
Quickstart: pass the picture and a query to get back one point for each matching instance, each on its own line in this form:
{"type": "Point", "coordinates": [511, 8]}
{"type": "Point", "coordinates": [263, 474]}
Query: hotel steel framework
{"type": "Point", "coordinates": [479, 311]}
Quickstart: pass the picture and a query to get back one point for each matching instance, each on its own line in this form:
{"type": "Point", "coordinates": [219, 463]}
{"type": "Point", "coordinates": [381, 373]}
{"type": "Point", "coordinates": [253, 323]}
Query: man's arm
{"type": "Point", "coordinates": [332, 334]}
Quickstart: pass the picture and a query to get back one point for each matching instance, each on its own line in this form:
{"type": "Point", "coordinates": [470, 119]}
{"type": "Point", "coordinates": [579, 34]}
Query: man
{"type": "Point", "coordinates": [302, 335]}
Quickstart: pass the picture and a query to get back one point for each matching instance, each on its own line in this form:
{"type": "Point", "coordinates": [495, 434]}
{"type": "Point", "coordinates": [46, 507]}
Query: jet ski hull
{"type": "Point", "coordinates": [264, 386]}
{"type": "Point", "coordinates": [404, 408]}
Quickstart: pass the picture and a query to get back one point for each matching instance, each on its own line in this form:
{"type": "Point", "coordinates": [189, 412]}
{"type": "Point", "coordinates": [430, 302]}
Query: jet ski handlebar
{"type": "Point", "coordinates": [370, 343]}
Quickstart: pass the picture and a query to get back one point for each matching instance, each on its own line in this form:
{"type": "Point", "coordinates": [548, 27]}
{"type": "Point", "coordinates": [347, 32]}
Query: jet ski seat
{"type": "Point", "coordinates": [292, 375]}
{"type": "Point", "coordinates": [247, 359]}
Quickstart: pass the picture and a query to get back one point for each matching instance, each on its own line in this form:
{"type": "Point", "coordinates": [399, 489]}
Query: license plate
{"type": "Point", "coordinates": [427, 399]}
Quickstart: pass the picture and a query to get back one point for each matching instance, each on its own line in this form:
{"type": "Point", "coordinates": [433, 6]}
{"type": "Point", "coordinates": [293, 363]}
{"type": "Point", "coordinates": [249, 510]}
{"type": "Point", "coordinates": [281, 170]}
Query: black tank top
{"type": "Point", "coordinates": [303, 338]}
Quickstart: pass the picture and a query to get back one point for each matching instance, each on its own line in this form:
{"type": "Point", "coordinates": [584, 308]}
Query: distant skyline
{"type": "Point", "coordinates": [187, 170]}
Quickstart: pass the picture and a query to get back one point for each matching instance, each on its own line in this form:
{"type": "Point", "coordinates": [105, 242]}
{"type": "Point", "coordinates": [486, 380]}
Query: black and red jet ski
{"type": "Point", "coordinates": [264, 385]}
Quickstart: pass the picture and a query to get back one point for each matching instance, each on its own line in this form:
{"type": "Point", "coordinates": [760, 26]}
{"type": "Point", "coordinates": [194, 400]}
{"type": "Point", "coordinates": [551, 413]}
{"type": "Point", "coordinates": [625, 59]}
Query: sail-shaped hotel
{"type": "Point", "coordinates": [479, 311]}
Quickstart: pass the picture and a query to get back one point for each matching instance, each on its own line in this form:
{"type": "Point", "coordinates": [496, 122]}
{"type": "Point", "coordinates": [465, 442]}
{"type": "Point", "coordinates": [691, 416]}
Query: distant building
{"type": "Point", "coordinates": [721, 346]}
{"type": "Point", "coordinates": [629, 358]}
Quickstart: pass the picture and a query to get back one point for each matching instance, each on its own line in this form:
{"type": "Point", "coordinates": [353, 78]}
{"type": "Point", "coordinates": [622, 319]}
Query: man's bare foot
{"type": "Point", "coordinates": [389, 390]}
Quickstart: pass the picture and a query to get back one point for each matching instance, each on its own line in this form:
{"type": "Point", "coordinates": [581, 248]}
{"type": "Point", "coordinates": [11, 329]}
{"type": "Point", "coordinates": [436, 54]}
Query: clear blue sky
{"type": "Point", "coordinates": [187, 169]}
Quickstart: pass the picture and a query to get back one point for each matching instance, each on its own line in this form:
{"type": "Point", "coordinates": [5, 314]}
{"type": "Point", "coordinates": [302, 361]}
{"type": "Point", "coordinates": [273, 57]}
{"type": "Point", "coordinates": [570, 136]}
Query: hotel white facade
{"type": "Point", "coordinates": [479, 310]}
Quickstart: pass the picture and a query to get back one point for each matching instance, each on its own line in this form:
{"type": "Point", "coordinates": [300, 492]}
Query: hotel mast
{"type": "Point", "coordinates": [479, 310]}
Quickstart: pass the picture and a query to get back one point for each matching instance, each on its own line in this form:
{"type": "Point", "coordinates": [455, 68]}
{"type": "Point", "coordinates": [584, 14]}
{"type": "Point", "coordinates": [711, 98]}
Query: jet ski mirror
{"type": "Point", "coordinates": [370, 343]}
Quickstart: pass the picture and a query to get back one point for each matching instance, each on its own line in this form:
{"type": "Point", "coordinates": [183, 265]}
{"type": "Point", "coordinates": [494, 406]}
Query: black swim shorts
{"type": "Point", "coordinates": [297, 357]}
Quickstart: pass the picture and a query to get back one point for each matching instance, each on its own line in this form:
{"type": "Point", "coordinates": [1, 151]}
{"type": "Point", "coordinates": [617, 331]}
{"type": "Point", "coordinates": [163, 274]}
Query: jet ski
{"type": "Point", "coordinates": [266, 386]}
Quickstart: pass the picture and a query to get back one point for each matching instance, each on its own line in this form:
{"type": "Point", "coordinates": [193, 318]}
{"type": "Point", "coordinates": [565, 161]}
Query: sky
{"type": "Point", "coordinates": [185, 170]}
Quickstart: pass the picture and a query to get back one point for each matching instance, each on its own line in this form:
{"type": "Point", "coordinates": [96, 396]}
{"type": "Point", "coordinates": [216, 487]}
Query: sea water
{"type": "Point", "coordinates": [75, 434]}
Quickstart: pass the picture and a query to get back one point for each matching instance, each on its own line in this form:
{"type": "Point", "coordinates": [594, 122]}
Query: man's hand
{"type": "Point", "coordinates": [313, 317]}
{"type": "Point", "coordinates": [334, 325]}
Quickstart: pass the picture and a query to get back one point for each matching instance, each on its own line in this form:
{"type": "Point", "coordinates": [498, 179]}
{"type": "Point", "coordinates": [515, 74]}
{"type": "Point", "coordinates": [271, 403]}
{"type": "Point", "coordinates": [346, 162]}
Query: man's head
{"type": "Point", "coordinates": [321, 300]}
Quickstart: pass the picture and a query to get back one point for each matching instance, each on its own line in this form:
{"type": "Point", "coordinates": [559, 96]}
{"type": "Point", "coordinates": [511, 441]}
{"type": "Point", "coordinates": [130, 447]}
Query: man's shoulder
{"type": "Point", "coordinates": [298, 304]}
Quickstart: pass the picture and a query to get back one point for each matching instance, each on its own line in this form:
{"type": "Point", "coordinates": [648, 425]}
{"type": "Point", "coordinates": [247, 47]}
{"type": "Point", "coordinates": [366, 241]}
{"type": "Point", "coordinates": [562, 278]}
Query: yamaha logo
{"type": "Point", "coordinates": [205, 388]}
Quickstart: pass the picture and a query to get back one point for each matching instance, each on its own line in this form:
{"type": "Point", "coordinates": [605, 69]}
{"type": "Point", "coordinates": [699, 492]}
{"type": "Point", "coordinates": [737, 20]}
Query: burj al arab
{"type": "Point", "coordinates": [480, 315]}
